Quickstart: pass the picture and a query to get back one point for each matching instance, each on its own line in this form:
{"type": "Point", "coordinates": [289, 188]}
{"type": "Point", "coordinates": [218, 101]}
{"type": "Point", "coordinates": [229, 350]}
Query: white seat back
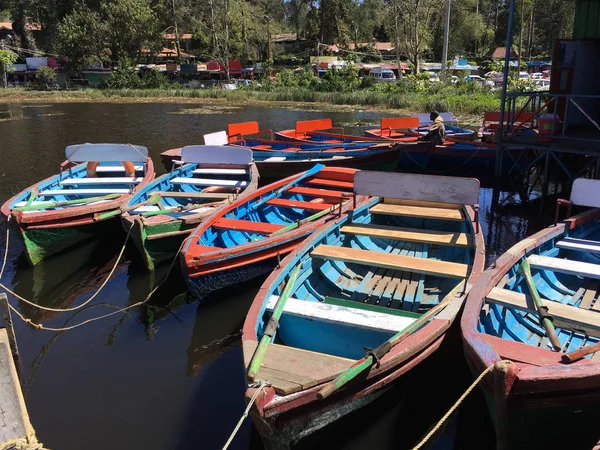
{"type": "Point", "coordinates": [106, 153]}
{"type": "Point", "coordinates": [217, 155]}
{"type": "Point", "coordinates": [408, 186]}
{"type": "Point", "coordinates": [217, 138]}
{"type": "Point", "coordinates": [585, 192]}
{"type": "Point", "coordinates": [424, 118]}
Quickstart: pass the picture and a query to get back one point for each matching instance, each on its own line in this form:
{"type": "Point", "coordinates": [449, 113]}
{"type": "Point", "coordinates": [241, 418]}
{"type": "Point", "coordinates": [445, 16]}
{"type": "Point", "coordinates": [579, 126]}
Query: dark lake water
{"type": "Point", "coordinates": [172, 377]}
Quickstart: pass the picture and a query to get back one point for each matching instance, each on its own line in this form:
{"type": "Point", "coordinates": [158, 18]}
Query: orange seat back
{"type": "Point", "coordinates": [313, 125]}
{"type": "Point", "coordinates": [242, 129]}
{"type": "Point", "coordinates": [399, 123]}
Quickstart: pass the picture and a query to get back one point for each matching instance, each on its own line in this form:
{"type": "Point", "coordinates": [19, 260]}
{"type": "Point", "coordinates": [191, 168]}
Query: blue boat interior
{"type": "Point", "coordinates": [102, 180]}
{"type": "Point", "coordinates": [577, 325]}
{"type": "Point", "coordinates": [339, 306]}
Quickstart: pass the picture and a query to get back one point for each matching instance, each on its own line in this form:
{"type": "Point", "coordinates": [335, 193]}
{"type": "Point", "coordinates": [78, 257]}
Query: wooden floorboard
{"type": "Point", "coordinates": [417, 211]}
{"type": "Point", "coordinates": [389, 261]}
{"type": "Point", "coordinates": [291, 369]}
{"type": "Point", "coordinates": [408, 234]}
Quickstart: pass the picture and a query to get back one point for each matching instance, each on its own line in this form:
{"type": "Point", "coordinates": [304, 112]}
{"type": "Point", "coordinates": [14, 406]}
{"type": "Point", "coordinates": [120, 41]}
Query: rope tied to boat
{"type": "Point", "coordinates": [455, 406]}
{"type": "Point", "coordinates": [261, 385]}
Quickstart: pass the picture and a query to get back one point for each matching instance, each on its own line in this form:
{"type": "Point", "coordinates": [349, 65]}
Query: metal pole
{"type": "Point", "coordinates": [4, 81]}
{"type": "Point", "coordinates": [504, 89]}
{"type": "Point", "coordinates": [521, 36]}
{"type": "Point", "coordinates": [446, 34]}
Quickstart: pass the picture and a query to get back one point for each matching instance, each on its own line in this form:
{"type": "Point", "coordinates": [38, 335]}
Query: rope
{"type": "Point", "coordinates": [443, 420]}
{"type": "Point", "coordinates": [261, 386]}
{"type": "Point", "coordinates": [39, 326]}
{"type": "Point", "coordinates": [74, 308]}
{"type": "Point", "coordinates": [6, 247]}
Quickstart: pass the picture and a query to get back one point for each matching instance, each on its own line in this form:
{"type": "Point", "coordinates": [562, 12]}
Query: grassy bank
{"type": "Point", "coordinates": [472, 104]}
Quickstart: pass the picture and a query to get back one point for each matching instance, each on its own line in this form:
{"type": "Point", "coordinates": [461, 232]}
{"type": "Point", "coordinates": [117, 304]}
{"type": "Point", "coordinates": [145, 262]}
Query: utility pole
{"type": "Point", "coordinates": [177, 45]}
{"type": "Point", "coordinates": [446, 34]}
{"type": "Point", "coordinates": [520, 38]}
{"type": "Point", "coordinates": [268, 19]}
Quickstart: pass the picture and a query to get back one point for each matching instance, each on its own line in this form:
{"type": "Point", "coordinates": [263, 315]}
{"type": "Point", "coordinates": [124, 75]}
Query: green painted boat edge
{"type": "Point", "coordinates": [369, 307]}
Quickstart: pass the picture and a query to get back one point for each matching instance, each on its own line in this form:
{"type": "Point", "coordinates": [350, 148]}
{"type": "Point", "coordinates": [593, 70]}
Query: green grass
{"type": "Point", "coordinates": [460, 103]}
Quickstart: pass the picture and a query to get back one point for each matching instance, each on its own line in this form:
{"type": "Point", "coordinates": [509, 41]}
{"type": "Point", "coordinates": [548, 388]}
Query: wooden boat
{"type": "Point", "coordinates": [394, 268]}
{"type": "Point", "coordinates": [322, 131]}
{"type": "Point", "coordinates": [168, 209]}
{"type": "Point", "coordinates": [274, 165]}
{"type": "Point", "coordinates": [534, 393]}
{"type": "Point", "coordinates": [247, 237]}
{"type": "Point", "coordinates": [66, 209]}
{"type": "Point", "coordinates": [491, 123]}
{"type": "Point", "coordinates": [450, 123]}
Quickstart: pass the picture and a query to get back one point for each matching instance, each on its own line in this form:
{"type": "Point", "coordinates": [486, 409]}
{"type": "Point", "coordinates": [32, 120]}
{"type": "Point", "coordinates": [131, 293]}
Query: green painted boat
{"type": "Point", "coordinates": [167, 210]}
{"type": "Point", "coordinates": [75, 205]}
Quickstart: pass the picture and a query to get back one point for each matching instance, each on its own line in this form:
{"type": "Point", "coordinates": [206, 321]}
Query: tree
{"type": "Point", "coordinates": [6, 59]}
{"type": "Point", "coordinates": [82, 37]}
{"type": "Point", "coordinates": [46, 76]}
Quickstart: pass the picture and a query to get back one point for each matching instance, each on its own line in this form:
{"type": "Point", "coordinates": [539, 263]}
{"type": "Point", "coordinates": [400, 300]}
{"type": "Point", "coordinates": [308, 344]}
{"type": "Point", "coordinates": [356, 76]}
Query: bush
{"type": "Point", "coordinates": [153, 79]}
{"type": "Point", "coordinates": [124, 77]}
{"type": "Point", "coordinates": [46, 76]}
{"type": "Point", "coordinates": [437, 104]}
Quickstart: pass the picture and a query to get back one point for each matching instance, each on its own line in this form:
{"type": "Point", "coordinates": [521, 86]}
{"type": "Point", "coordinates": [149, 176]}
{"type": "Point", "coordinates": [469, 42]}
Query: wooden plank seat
{"type": "Point", "coordinates": [247, 225]}
{"type": "Point", "coordinates": [217, 171]}
{"type": "Point", "coordinates": [391, 261]}
{"type": "Point", "coordinates": [198, 195]}
{"type": "Point", "coordinates": [565, 316]}
{"type": "Point", "coordinates": [52, 192]}
{"type": "Point", "coordinates": [290, 369]}
{"type": "Point", "coordinates": [581, 245]}
{"type": "Point", "coordinates": [342, 312]}
{"type": "Point", "coordinates": [105, 180]}
{"type": "Point", "coordinates": [308, 206]}
{"type": "Point", "coordinates": [331, 183]}
{"type": "Point", "coordinates": [565, 266]}
{"type": "Point", "coordinates": [409, 234]}
{"type": "Point", "coordinates": [417, 211]}
{"type": "Point", "coordinates": [325, 194]}
{"type": "Point", "coordinates": [275, 159]}
{"type": "Point", "coordinates": [209, 182]}
{"type": "Point", "coordinates": [117, 168]}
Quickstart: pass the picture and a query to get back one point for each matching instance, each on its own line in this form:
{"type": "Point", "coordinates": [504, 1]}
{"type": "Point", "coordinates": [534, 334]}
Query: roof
{"type": "Point", "coordinates": [168, 52]}
{"type": "Point", "coordinates": [380, 46]}
{"type": "Point", "coordinates": [284, 37]}
{"type": "Point", "coordinates": [182, 37]}
{"type": "Point", "coordinates": [6, 25]}
{"type": "Point", "coordinates": [500, 53]}
{"type": "Point", "coordinates": [29, 26]}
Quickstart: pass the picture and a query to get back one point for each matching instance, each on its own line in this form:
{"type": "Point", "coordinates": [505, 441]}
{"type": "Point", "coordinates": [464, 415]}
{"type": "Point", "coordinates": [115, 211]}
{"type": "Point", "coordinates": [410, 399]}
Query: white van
{"type": "Point", "coordinates": [382, 75]}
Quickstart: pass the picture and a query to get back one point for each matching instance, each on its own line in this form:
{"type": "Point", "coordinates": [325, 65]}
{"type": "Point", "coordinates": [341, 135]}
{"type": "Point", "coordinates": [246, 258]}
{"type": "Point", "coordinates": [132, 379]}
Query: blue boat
{"type": "Point", "coordinates": [535, 319]}
{"type": "Point", "coordinates": [452, 131]}
{"type": "Point", "coordinates": [390, 275]}
{"type": "Point", "coordinates": [168, 209]}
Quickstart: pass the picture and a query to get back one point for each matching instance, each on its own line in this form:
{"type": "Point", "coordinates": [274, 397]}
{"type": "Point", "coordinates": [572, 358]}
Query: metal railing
{"type": "Point", "coordinates": [561, 106]}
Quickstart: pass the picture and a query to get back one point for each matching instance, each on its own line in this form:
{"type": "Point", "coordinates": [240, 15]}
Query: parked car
{"type": "Point", "coordinates": [479, 80]}
{"type": "Point", "coordinates": [382, 75]}
{"type": "Point", "coordinates": [524, 75]}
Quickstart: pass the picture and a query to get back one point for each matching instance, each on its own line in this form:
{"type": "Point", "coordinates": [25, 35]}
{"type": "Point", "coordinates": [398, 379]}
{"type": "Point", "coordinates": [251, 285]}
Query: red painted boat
{"type": "Point", "coordinates": [246, 238]}
{"type": "Point", "coordinates": [360, 282]}
{"type": "Point", "coordinates": [537, 389]}
{"type": "Point", "coordinates": [66, 209]}
{"type": "Point", "coordinates": [395, 129]}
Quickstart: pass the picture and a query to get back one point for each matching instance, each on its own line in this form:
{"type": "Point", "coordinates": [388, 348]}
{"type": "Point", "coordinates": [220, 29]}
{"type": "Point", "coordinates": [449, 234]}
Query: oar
{"type": "Point", "coordinates": [47, 205]}
{"type": "Point", "coordinates": [271, 327]}
{"type": "Point", "coordinates": [578, 354]}
{"type": "Point", "coordinates": [297, 223]}
{"type": "Point", "coordinates": [367, 361]}
{"type": "Point", "coordinates": [309, 173]}
{"type": "Point", "coordinates": [545, 318]}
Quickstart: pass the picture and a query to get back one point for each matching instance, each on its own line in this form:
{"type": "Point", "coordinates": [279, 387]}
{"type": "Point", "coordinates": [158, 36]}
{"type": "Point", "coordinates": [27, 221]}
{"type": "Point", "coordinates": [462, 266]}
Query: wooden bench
{"type": "Point", "coordinates": [565, 316]}
{"type": "Point", "coordinates": [209, 182]}
{"type": "Point", "coordinates": [325, 194]}
{"type": "Point", "coordinates": [105, 180]}
{"type": "Point", "coordinates": [580, 245]}
{"type": "Point", "coordinates": [565, 266]}
{"type": "Point", "coordinates": [409, 234]}
{"type": "Point", "coordinates": [391, 261]}
{"type": "Point", "coordinates": [52, 192]}
{"type": "Point", "coordinates": [331, 183]}
{"type": "Point", "coordinates": [119, 168]}
{"type": "Point", "coordinates": [357, 317]}
{"type": "Point", "coordinates": [217, 171]}
{"type": "Point", "coordinates": [418, 211]}
{"type": "Point", "coordinates": [290, 369]}
{"type": "Point", "coordinates": [198, 195]}
{"type": "Point", "coordinates": [247, 225]}
{"type": "Point", "coordinates": [282, 202]}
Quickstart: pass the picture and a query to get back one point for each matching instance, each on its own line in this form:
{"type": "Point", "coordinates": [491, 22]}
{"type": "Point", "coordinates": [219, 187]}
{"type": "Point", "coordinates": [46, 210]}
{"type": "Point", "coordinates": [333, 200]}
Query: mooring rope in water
{"type": "Point", "coordinates": [74, 308]}
{"type": "Point", "coordinates": [261, 386]}
{"type": "Point", "coordinates": [39, 326]}
{"type": "Point", "coordinates": [443, 420]}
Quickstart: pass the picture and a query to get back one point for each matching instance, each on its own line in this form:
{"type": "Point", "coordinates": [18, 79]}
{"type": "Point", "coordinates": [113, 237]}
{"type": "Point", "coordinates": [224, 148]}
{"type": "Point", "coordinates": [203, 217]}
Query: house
{"type": "Point", "coordinates": [500, 53]}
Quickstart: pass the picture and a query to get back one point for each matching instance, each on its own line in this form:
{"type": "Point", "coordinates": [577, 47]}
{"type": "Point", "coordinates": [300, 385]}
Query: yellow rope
{"type": "Point", "coordinates": [261, 387]}
{"type": "Point", "coordinates": [39, 326]}
{"type": "Point", "coordinates": [75, 308]}
{"type": "Point", "coordinates": [443, 420]}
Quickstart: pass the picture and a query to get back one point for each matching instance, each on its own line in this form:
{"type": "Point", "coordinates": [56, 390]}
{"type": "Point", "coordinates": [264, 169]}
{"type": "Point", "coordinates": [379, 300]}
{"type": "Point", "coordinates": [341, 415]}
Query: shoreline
{"type": "Point", "coordinates": [221, 97]}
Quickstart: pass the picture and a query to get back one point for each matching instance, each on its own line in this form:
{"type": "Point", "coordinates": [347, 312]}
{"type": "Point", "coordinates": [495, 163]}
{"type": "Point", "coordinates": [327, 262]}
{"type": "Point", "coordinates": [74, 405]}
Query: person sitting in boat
{"type": "Point", "coordinates": [437, 131]}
